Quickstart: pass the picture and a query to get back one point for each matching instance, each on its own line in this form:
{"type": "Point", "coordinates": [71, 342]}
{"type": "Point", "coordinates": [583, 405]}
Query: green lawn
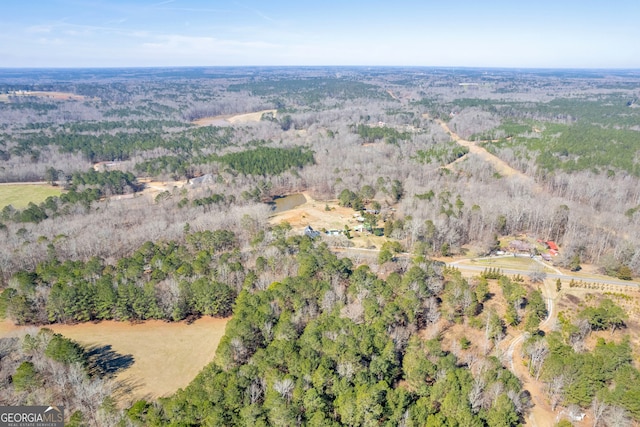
{"type": "Point", "coordinates": [19, 195]}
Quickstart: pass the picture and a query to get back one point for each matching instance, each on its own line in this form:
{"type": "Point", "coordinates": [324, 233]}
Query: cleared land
{"type": "Point", "coordinates": [19, 195]}
{"type": "Point", "coordinates": [166, 356]}
{"type": "Point", "coordinates": [8, 329]}
{"type": "Point", "coordinates": [314, 213]}
{"type": "Point", "coordinates": [60, 96]}
{"type": "Point", "coordinates": [233, 119]}
{"type": "Point", "coordinates": [154, 188]}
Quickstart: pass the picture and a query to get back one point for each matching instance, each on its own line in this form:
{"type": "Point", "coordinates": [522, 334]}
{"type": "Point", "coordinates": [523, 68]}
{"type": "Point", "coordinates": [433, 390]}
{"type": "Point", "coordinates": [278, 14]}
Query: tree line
{"type": "Point", "coordinates": [47, 366]}
{"type": "Point", "coordinates": [121, 145]}
{"type": "Point", "coordinates": [165, 281]}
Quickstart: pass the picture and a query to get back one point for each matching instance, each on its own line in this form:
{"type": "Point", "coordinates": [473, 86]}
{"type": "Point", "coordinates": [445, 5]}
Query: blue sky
{"type": "Point", "coordinates": [117, 33]}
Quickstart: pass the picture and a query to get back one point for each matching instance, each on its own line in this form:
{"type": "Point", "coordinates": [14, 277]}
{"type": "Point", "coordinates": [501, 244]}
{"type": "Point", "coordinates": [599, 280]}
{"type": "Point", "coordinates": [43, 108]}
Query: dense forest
{"type": "Point", "coordinates": [167, 181]}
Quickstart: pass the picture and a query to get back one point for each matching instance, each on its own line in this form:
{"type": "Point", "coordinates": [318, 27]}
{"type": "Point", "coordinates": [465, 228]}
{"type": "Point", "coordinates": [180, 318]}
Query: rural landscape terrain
{"type": "Point", "coordinates": [322, 246]}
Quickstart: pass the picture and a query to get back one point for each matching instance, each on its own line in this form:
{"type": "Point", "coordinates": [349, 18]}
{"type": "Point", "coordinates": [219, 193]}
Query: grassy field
{"type": "Point", "coordinates": [166, 356]}
{"type": "Point", "coordinates": [19, 195]}
{"type": "Point", "coordinates": [515, 263]}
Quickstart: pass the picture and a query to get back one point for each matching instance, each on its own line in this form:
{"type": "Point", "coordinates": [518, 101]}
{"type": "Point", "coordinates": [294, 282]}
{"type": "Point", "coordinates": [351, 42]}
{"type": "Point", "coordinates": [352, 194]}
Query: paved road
{"type": "Point", "coordinates": [554, 276]}
{"type": "Point", "coordinates": [479, 268]}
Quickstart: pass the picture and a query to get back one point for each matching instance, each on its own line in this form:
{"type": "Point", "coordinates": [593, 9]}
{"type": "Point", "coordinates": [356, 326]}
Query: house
{"type": "Point", "coordinates": [201, 180]}
{"type": "Point", "coordinates": [553, 248]}
{"type": "Point", "coordinates": [552, 245]}
{"type": "Point", "coordinates": [310, 232]}
{"type": "Point", "coordinates": [519, 246]}
{"type": "Point", "coordinates": [334, 232]}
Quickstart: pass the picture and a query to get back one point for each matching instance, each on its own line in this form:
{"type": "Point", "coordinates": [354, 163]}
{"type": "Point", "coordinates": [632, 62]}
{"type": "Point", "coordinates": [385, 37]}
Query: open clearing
{"type": "Point", "coordinates": [166, 356]}
{"type": "Point", "coordinates": [59, 96]}
{"type": "Point", "coordinates": [315, 214]}
{"type": "Point", "coordinates": [154, 188]}
{"type": "Point", "coordinates": [233, 119]}
{"type": "Point", "coordinates": [19, 195]}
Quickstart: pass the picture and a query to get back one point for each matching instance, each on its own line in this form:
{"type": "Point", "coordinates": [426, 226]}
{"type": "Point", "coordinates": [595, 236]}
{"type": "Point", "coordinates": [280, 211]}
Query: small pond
{"type": "Point", "coordinates": [283, 204]}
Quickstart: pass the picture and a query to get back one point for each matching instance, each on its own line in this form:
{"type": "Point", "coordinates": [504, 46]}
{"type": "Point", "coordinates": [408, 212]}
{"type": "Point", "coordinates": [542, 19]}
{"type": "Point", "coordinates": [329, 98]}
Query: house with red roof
{"type": "Point", "coordinates": [553, 248]}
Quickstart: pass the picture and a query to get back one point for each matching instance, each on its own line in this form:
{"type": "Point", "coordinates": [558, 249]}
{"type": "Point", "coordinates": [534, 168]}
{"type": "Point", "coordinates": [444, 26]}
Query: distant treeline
{"type": "Point", "coordinates": [263, 161]}
{"type": "Point", "coordinates": [311, 90]}
{"type": "Point", "coordinates": [121, 145]}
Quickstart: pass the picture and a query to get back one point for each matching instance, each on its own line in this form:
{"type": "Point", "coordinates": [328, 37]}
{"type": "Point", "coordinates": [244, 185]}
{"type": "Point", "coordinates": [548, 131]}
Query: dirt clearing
{"type": "Point", "coordinates": [328, 215]}
{"type": "Point", "coordinates": [153, 188]}
{"type": "Point", "coordinates": [315, 214]}
{"type": "Point", "coordinates": [232, 119]}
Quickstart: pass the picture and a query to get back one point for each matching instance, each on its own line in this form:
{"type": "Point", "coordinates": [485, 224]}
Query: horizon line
{"type": "Point", "coordinates": [482, 67]}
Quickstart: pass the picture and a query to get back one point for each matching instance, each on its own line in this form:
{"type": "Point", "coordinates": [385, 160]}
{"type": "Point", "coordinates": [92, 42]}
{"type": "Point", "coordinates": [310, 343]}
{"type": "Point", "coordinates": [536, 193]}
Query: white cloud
{"type": "Point", "coordinates": [51, 41]}
{"type": "Point", "coordinates": [198, 44]}
{"type": "Point", "coordinates": [39, 29]}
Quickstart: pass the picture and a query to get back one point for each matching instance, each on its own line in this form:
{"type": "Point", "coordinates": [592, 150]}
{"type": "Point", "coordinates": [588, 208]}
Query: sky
{"type": "Point", "coordinates": [465, 33]}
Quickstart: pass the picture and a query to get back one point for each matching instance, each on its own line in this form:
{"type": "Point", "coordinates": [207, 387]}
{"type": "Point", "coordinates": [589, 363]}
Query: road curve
{"type": "Point", "coordinates": [554, 276]}
{"type": "Point", "coordinates": [478, 268]}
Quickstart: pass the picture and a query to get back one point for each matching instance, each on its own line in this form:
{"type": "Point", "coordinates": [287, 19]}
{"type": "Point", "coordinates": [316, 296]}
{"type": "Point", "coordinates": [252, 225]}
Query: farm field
{"type": "Point", "coordinates": [166, 356]}
{"type": "Point", "coordinates": [19, 195]}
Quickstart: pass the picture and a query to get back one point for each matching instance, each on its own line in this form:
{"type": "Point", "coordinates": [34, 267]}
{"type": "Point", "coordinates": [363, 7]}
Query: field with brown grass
{"type": "Point", "coordinates": [166, 356]}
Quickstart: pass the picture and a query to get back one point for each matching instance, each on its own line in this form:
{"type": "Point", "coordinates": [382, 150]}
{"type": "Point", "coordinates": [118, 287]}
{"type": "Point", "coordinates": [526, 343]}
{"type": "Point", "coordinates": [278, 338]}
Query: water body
{"type": "Point", "coordinates": [285, 203]}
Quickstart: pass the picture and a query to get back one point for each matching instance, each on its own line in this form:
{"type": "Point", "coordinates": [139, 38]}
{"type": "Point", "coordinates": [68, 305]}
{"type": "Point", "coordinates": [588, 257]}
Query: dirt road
{"type": "Point", "coordinates": [498, 164]}
{"type": "Point", "coordinates": [541, 414]}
